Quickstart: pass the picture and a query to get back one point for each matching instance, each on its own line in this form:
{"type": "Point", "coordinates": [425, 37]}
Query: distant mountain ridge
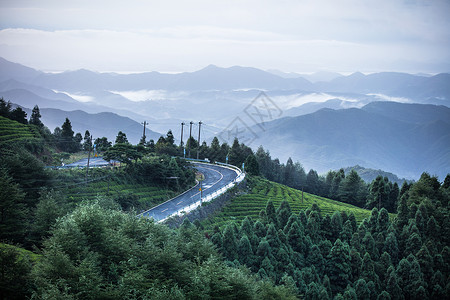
{"type": "Point", "coordinates": [369, 137]}
{"type": "Point", "coordinates": [434, 89]}
{"type": "Point", "coordinates": [368, 175]}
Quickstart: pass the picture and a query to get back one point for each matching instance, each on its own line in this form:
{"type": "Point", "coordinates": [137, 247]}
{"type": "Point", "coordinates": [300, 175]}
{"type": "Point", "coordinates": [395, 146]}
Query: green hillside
{"type": "Point", "coordinates": [13, 131]}
{"type": "Point", "coordinates": [263, 190]}
{"type": "Point", "coordinates": [116, 184]}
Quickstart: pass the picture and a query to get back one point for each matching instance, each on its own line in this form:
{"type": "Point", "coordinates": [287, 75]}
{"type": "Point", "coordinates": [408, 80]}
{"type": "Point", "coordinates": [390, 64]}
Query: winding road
{"type": "Point", "coordinates": [93, 162]}
{"type": "Point", "coordinates": [216, 177]}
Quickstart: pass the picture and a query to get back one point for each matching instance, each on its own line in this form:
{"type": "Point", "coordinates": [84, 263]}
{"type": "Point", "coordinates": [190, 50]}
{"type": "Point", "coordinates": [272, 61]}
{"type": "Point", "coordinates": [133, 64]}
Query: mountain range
{"type": "Point", "coordinates": [406, 139]}
{"type": "Point", "coordinates": [394, 121]}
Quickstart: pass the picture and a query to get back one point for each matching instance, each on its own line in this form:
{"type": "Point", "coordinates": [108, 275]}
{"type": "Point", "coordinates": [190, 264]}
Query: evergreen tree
{"type": "Point", "coordinates": [35, 118]}
{"type": "Point", "coordinates": [283, 214]}
{"type": "Point", "coordinates": [271, 213]}
{"type": "Point", "coordinates": [214, 150]}
{"type": "Point", "coordinates": [121, 138]}
{"type": "Point", "coordinates": [77, 142]}
{"type": "Point", "coordinates": [102, 144]}
{"type": "Point", "coordinates": [361, 289]}
{"type": "Point", "coordinates": [5, 108]}
{"type": "Point", "coordinates": [87, 145]}
{"type": "Point", "coordinates": [19, 115]}
{"type": "Point", "coordinates": [272, 237]}
{"type": "Point", "coordinates": [244, 251]}
{"type": "Point", "coordinates": [65, 138]}
{"type": "Point", "coordinates": [251, 165]}
{"type": "Point", "coordinates": [393, 198]}
{"type": "Point", "coordinates": [289, 173]}
{"type": "Point", "coordinates": [378, 193]}
{"type": "Point", "coordinates": [335, 226]}
{"type": "Point", "coordinates": [336, 182]}
{"type": "Point", "coordinates": [312, 182]}
{"type": "Point", "coordinates": [315, 259]}
{"type": "Point", "coordinates": [352, 189]}
{"type": "Point", "coordinates": [229, 246]}
{"type": "Point", "coordinates": [235, 154]}
{"type": "Point", "coordinates": [13, 212]}
{"type": "Point", "coordinates": [338, 268]}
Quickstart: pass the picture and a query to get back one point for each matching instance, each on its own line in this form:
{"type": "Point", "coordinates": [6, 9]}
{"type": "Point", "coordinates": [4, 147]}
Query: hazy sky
{"type": "Point", "coordinates": [292, 36]}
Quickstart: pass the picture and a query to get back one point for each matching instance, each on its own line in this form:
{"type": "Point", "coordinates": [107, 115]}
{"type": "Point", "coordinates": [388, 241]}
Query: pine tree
{"type": "Point", "coordinates": [13, 213]}
{"type": "Point", "coordinates": [244, 251]}
{"type": "Point", "coordinates": [235, 154]}
{"type": "Point", "coordinates": [264, 250]}
{"type": "Point", "coordinates": [336, 181]}
{"type": "Point", "coordinates": [214, 150]}
{"type": "Point", "coordinates": [384, 296]}
{"type": "Point", "coordinates": [5, 108]}
{"type": "Point", "coordinates": [229, 246]}
{"type": "Point", "coordinates": [378, 194]}
{"type": "Point", "coordinates": [19, 115]}
{"type": "Point", "coordinates": [271, 213]}
{"type": "Point", "coordinates": [272, 237]}
{"type": "Point", "coordinates": [251, 165]}
{"type": "Point", "coordinates": [121, 138]}
{"type": "Point", "coordinates": [392, 286]}
{"type": "Point", "coordinates": [283, 214]}
{"type": "Point", "coordinates": [361, 289]}
{"type": "Point", "coordinates": [65, 139]}
{"type": "Point", "coordinates": [315, 259]}
{"type": "Point", "coordinates": [347, 231]}
{"type": "Point", "coordinates": [312, 182]}
{"type": "Point", "coordinates": [352, 189]}
{"type": "Point", "coordinates": [87, 145]}
{"type": "Point", "coordinates": [391, 246]}
{"type": "Point", "coordinates": [335, 227]}
{"type": "Point", "coordinates": [339, 269]}
{"type": "Point", "coordinates": [35, 118]}
{"type": "Point", "coordinates": [295, 237]}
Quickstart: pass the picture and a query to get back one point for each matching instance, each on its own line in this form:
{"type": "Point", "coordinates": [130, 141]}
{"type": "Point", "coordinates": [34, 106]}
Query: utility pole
{"type": "Point", "coordinates": [201, 192]}
{"type": "Point", "coordinates": [89, 157]}
{"type": "Point", "coordinates": [198, 149]}
{"type": "Point", "coordinates": [182, 126]}
{"type": "Point", "coordinates": [143, 135]}
{"type": "Point", "coordinates": [190, 136]}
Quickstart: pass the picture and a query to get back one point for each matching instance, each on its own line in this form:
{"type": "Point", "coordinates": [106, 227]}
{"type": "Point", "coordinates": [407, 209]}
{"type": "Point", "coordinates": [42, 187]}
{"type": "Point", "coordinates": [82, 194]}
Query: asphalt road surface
{"type": "Point", "coordinates": [216, 177]}
{"type": "Point", "coordinates": [93, 162]}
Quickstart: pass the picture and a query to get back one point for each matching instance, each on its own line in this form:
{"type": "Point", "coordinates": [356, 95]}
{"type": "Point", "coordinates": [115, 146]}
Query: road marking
{"type": "Point", "coordinates": [164, 210]}
{"type": "Point", "coordinates": [179, 202]}
{"type": "Point", "coordinates": [221, 177]}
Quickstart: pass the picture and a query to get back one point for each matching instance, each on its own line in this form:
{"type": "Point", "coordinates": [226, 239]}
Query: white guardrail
{"type": "Point", "coordinates": [211, 196]}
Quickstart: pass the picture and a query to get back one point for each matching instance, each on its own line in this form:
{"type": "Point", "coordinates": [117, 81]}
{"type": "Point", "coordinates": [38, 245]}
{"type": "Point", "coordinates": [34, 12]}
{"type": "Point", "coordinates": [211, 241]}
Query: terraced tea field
{"type": "Point", "coordinates": [12, 131]}
{"type": "Point", "coordinates": [263, 190]}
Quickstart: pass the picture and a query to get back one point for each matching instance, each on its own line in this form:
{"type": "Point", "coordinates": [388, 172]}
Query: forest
{"type": "Point", "coordinates": [61, 244]}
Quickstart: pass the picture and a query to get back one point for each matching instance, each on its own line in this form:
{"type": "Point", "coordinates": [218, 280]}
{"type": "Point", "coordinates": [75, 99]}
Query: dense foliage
{"type": "Point", "coordinates": [99, 252]}
{"type": "Point", "coordinates": [324, 257]}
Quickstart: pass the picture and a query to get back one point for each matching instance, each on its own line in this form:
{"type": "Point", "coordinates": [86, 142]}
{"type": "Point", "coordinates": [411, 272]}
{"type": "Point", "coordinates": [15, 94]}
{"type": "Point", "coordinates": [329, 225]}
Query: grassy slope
{"type": "Point", "coordinates": [263, 190]}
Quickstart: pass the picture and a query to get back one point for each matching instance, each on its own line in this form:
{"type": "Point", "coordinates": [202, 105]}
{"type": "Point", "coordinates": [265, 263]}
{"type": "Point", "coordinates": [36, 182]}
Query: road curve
{"type": "Point", "coordinates": [216, 177]}
{"type": "Point", "coordinates": [93, 162]}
